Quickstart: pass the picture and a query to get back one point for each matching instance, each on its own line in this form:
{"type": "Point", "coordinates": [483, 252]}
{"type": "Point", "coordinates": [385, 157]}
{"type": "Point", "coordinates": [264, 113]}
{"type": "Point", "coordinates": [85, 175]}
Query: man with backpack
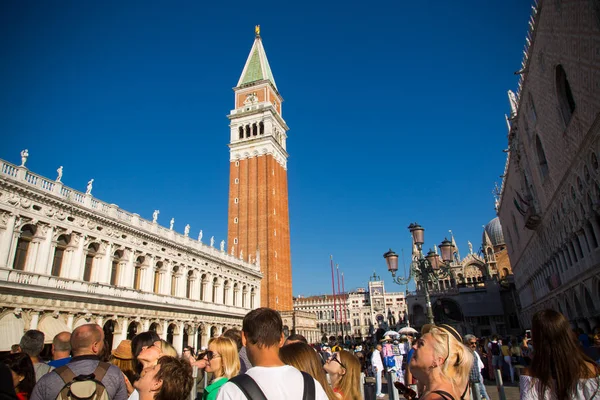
{"type": "Point", "coordinates": [84, 372]}
{"type": "Point", "coordinates": [495, 349]}
{"type": "Point", "coordinates": [269, 378]}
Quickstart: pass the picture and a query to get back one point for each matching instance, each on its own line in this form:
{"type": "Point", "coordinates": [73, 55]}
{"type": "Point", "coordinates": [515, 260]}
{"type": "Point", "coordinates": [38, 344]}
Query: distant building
{"type": "Point", "coordinates": [478, 296]}
{"type": "Point", "coordinates": [356, 314]}
{"type": "Point", "coordinates": [550, 195]}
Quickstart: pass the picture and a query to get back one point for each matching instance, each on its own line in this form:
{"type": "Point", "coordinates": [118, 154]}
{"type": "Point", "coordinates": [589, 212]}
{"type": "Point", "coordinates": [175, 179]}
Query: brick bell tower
{"type": "Point", "coordinates": [259, 224]}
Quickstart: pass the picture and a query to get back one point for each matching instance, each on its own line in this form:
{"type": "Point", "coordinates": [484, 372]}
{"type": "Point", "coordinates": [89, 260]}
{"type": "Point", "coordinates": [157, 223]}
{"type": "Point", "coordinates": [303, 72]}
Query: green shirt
{"type": "Point", "coordinates": [212, 390]}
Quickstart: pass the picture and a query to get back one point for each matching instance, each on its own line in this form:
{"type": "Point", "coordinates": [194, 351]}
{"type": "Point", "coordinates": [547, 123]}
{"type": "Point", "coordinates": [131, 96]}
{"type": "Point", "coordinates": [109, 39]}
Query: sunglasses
{"type": "Point", "coordinates": [472, 343]}
{"type": "Point", "coordinates": [209, 354]}
{"type": "Point", "coordinates": [334, 358]}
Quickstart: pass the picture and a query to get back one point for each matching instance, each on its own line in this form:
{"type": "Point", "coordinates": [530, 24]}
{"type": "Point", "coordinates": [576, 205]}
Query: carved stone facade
{"type": "Point", "coordinates": [355, 314]}
{"type": "Point", "coordinates": [550, 193]}
{"type": "Point", "coordinates": [67, 258]}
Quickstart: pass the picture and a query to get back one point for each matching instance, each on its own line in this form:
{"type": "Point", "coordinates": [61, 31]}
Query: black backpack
{"type": "Point", "coordinates": [495, 349]}
{"type": "Point", "coordinates": [252, 391]}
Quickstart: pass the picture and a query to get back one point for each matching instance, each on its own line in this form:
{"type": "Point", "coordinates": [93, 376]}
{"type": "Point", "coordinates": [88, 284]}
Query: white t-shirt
{"type": "Point", "coordinates": [587, 389]}
{"type": "Point", "coordinates": [284, 382]}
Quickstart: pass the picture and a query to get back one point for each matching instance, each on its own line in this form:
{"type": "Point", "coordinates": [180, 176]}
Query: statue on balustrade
{"type": "Point", "coordinates": [200, 236]}
{"type": "Point", "coordinates": [186, 230]}
{"type": "Point", "coordinates": [24, 155]}
{"type": "Point", "coordinates": [212, 241]}
{"type": "Point", "coordinates": [59, 171]}
{"type": "Point", "coordinates": [155, 216]}
{"type": "Point", "coordinates": [89, 187]}
{"type": "Point", "coordinates": [222, 245]}
{"type": "Point", "coordinates": [172, 223]}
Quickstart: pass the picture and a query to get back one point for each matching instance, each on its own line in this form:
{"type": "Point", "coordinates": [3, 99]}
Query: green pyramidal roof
{"type": "Point", "coordinates": [257, 66]}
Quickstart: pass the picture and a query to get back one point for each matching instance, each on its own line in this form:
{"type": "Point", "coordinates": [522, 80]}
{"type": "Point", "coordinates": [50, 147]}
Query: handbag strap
{"type": "Point", "coordinates": [309, 386]}
{"type": "Point", "coordinates": [249, 387]}
{"type": "Point", "coordinates": [445, 395]}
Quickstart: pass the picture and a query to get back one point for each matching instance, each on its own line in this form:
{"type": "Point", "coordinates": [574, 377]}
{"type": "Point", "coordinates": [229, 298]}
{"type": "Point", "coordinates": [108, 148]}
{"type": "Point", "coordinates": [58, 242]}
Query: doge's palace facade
{"type": "Point", "coordinates": [67, 258]}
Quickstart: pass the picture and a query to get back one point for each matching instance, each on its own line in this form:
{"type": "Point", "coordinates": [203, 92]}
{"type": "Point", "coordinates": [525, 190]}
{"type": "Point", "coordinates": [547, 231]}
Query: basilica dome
{"type": "Point", "coordinates": [494, 231]}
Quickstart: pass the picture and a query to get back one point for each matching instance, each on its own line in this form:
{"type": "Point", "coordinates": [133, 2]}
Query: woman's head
{"type": "Point", "coordinates": [222, 358]}
{"type": "Point", "coordinates": [139, 342]}
{"type": "Point", "coordinates": [558, 356]}
{"type": "Point", "coordinates": [150, 354]}
{"type": "Point", "coordinates": [305, 358]}
{"type": "Point", "coordinates": [440, 352]}
{"type": "Point", "coordinates": [22, 371]}
{"type": "Point", "coordinates": [343, 368]}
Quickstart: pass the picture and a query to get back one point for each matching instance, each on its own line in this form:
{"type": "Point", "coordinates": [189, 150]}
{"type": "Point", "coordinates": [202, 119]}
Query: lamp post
{"type": "Point", "coordinates": [428, 269]}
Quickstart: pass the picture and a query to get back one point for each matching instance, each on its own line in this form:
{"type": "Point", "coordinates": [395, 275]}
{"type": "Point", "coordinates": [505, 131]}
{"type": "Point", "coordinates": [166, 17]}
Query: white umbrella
{"type": "Point", "coordinates": [391, 333]}
{"type": "Point", "coordinates": [407, 329]}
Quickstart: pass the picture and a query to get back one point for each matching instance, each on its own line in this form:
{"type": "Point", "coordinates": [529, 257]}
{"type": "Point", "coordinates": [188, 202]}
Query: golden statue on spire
{"type": "Point", "coordinates": [257, 30]}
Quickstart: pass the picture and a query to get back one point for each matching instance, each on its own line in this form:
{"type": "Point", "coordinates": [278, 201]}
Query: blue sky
{"type": "Point", "coordinates": [396, 112]}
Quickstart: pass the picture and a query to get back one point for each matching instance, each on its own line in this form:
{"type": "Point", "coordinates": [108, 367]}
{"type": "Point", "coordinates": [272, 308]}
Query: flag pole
{"type": "Point", "coordinates": [337, 267]}
{"type": "Point", "coordinates": [333, 290]}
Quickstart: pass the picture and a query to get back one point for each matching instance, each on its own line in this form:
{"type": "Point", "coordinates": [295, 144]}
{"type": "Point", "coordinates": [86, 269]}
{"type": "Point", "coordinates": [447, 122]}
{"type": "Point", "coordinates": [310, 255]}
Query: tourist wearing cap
{"type": "Point", "coordinates": [441, 363]}
{"type": "Point", "coordinates": [122, 357]}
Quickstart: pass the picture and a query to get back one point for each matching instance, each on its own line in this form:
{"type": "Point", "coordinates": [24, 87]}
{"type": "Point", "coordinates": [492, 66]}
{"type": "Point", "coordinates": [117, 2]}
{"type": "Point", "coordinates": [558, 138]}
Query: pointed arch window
{"type": "Point", "coordinates": [566, 102]}
{"type": "Point", "coordinates": [25, 239]}
{"type": "Point", "coordinates": [59, 251]}
{"type": "Point", "coordinates": [88, 269]}
{"type": "Point", "coordinates": [542, 162]}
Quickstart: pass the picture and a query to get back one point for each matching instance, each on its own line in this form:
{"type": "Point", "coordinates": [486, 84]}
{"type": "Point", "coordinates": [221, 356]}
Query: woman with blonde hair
{"type": "Point", "coordinates": [222, 359]}
{"type": "Point", "coordinates": [343, 368]}
{"type": "Point", "coordinates": [441, 363]}
{"type": "Point", "coordinates": [304, 358]}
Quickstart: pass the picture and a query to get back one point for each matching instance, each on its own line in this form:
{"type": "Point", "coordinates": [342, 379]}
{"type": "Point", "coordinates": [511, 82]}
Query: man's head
{"type": "Point", "coordinates": [170, 379]}
{"type": "Point", "coordinates": [32, 342]}
{"type": "Point", "coordinates": [262, 328]}
{"type": "Point", "coordinates": [235, 335]}
{"type": "Point", "coordinates": [87, 339]}
{"type": "Point", "coordinates": [470, 341]}
{"type": "Point", "coordinates": [295, 338]}
{"type": "Point", "coordinates": [61, 345]}
{"type": "Point", "coordinates": [15, 348]}
{"type": "Point", "coordinates": [378, 347]}
{"type": "Point", "coordinates": [494, 338]}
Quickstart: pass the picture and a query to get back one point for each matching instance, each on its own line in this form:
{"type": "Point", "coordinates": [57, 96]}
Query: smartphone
{"type": "Point", "coordinates": [405, 391]}
{"type": "Point", "coordinates": [528, 334]}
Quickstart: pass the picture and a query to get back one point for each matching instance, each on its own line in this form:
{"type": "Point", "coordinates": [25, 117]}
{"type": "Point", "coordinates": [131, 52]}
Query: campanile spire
{"type": "Point", "coordinates": [258, 195]}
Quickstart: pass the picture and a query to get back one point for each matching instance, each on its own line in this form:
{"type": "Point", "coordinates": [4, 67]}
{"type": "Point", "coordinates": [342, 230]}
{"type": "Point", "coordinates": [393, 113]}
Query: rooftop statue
{"type": "Point", "coordinates": [155, 216]}
{"type": "Point", "coordinates": [89, 186]}
{"type": "Point", "coordinates": [172, 223]}
{"type": "Point", "coordinates": [186, 230]}
{"type": "Point", "coordinates": [60, 172]}
{"type": "Point", "coordinates": [24, 155]}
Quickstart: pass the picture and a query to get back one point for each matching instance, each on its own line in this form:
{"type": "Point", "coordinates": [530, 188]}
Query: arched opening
{"type": "Point", "coordinates": [252, 298]}
{"type": "Point", "coordinates": [254, 129]}
{"type": "Point", "coordinates": [226, 290]}
{"type": "Point", "coordinates": [88, 269]}
{"type": "Point", "coordinates": [261, 128]}
{"type": "Point", "coordinates": [170, 333]}
{"type": "Point", "coordinates": [188, 284]}
{"type": "Point", "coordinates": [25, 238]}
{"type": "Point", "coordinates": [213, 331]}
{"type": "Point", "coordinates": [109, 329]}
{"type": "Point", "coordinates": [154, 327]}
{"type": "Point", "coordinates": [542, 162]}
{"type": "Point", "coordinates": [215, 283]}
{"type": "Point", "coordinates": [59, 252]}
{"type": "Point", "coordinates": [247, 131]}
{"type": "Point", "coordinates": [116, 267]}
{"type": "Point", "coordinates": [244, 294]}
{"type": "Point", "coordinates": [174, 280]}
{"type": "Point", "coordinates": [241, 132]}
{"type": "Point", "coordinates": [157, 269]}
{"type": "Point", "coordinates": [137, 273]}
{"type": "Point", "coordinates": [566, 102]}
{"type": "Point", "coordinates": [132, 330]}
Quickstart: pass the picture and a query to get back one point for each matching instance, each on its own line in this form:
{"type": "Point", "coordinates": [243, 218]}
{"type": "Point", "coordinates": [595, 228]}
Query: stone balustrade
{"type": "Point", "coordinates": [78, 288]}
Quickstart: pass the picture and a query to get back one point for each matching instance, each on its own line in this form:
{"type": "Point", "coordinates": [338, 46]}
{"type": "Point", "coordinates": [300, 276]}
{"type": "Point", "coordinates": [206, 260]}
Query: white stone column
{"type": "Point", "coordinates": [146, 325]}
{"type": "Point", "coordinates": [148, 274]}
{"type": "Point", "coordinates": [6, 241]}
{"type": "Point", "coordinates": [178, 338]}
{"type": "Point", "coordinates": [123, 335]}
{"type": "Point", "coordinates": [70, 318]}
{"type": "Point", "coordinates": [164, 331]}
{"type": "Point", "coordinates": [35, 319]}
{"type": "Point", "coordinates": [43, 262]}
{"type": "Point", "coordinates": [206, 336]}
{"type": "Point", "coordinates": [165, 279]}
{"type": "Point", "coordinates": [181, 283]}
{"type": "Point", "coordinates": [127, 270]}
{"type": "Point", "coordinates": [206, 289]}
{"type": "Point", "coordinates": [100, 320]}
{"type": "Point", "coordinates": [32, 255]}
{"type": "Point", "coordinates": [102, 269]}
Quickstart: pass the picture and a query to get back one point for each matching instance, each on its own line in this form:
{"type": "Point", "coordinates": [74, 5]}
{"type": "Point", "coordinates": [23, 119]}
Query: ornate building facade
{"type": "Point", "coordinates": [258, 192]}
{"type": "Point", "coordinates": [548, 202]}
{"type": "Point", "coordinates": [356, 314]}
{"type": "Point", "coordinates": [67, 258]}
{"type": "Point", "coordinates": [478, 296]}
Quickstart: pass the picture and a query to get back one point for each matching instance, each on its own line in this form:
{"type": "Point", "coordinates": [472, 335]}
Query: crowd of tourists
{"type": "Point", "coordinates": [259, 362]}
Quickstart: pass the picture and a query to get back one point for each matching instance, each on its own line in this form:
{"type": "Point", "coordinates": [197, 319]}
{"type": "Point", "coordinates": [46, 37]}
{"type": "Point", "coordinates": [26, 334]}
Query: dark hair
{"type": "Point", "coordinates": [140, 340]}
{"type": "Point", "coordinates": [263, 327]}
{"type": "Point", "coordinates": [32, 342]}
{"type": "Point", "coordinates": [558, 362]}
{"type": "Point", "coordinates": [21, 364]}
{"type": "Point", "coordinates": [235, 335]}
{"type": "Point", "coordinates": [296, 337]}
{"type": "Point", "coordinates": [177, 379]}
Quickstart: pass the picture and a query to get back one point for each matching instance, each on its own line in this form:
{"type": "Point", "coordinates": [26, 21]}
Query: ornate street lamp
{"type": "Point", "coordinates": [429, 269]}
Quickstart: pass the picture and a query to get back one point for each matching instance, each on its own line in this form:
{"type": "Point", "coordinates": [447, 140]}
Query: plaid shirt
{"type": "Point", "coordinates": [474, 373]}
